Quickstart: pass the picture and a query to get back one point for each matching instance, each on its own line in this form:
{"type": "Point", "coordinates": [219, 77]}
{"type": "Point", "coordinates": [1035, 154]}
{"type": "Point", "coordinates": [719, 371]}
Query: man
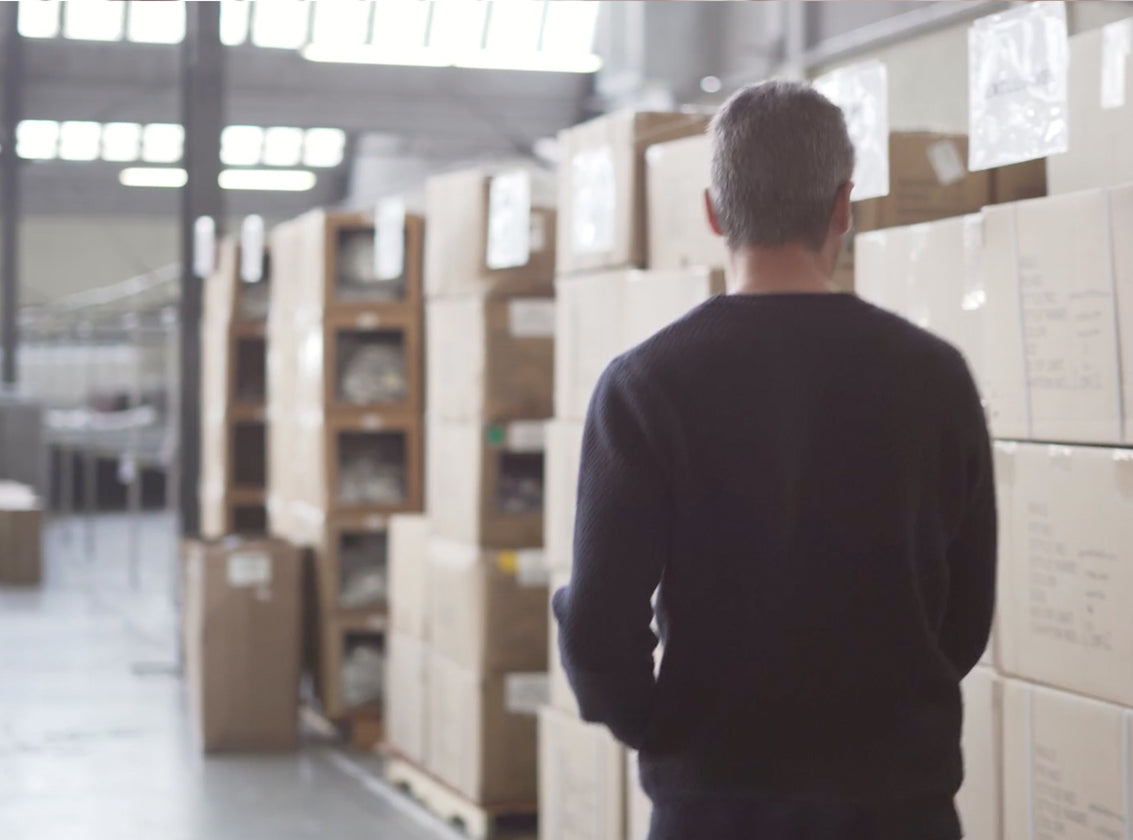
{"type": "Point", "coordinates": [808, 480]}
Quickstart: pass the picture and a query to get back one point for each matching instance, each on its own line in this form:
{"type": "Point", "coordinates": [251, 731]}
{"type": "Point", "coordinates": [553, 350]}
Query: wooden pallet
{"type": "Point", "coordinates": [478, 822]}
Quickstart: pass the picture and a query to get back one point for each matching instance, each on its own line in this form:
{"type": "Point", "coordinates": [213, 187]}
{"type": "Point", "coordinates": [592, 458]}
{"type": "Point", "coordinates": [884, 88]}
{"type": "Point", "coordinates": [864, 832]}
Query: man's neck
{"type": "Point", "coordinates": [788, 269]}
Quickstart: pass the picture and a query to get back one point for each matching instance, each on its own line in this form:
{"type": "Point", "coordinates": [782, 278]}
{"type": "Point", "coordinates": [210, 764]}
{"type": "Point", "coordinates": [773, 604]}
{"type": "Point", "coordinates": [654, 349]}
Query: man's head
{"type": "Point", "coordinates": [782, 161]}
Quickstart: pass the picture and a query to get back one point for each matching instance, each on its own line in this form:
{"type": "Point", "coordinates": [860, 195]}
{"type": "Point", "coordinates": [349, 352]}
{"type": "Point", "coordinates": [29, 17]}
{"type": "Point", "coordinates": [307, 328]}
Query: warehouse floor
{"type": "Point", "coordinates": [95, 740]}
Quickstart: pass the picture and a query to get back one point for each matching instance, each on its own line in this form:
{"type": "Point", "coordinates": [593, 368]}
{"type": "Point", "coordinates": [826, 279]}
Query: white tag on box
{"type": "Point", "coordinates": [593, 200]}
{"type": "Point", "coordinates": [526, 436]}
{"type": "Point", "coordinates": [1117, 46]}
{"type": "Point", "coordinates": [249, 568]}
{"type": "Point", "coordinates": [389, 239]}
{"type": "Point", "coordinates": [531, 318]}
{"type": "Point", "coordinates": [538, 241]}
{"type": "Point", "coordinates": [862, 92]}
{"type": "Point", "coordinates": [944, 157]}
{"type": "Point", "coordinates": [531, 567]}
{"type": "Point", "coordinates": [509, 220]}
{"type": "Point", "coordinates": [525, 694]}
{"type": "Point", "coordinates": [252, 249]}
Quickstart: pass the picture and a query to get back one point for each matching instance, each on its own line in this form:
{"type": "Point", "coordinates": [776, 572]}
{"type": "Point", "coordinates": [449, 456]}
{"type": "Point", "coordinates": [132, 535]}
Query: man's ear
{"type": "Point", "coordinates": [710, 212]}
{"type": "Point", "coordinates": [843, 215]}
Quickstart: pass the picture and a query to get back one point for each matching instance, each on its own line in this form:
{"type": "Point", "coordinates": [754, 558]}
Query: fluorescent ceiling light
{"type": "Point", "coordinates": [457, 25]}
{"type": "Point", "coordinates": [153, 176]}
{"type": "Point", "coordinates": [121, 142]}
{"type": "Point", "coordinates": [400, 24]}
{"type": "Point", "coordinates": [323, 147]}
{"type": "Point", "coordinates": [93, 20]}
{"type": "Point", "coordinates": [241, 145]}
{"type": "Point", "coordinates": [151, 22]}
{"type": "Point", "coordinates": [514, 25]}
{"type": "Point", "coordinates": [282, 24]}
{"type": "Point", "coordinates": [283, 146]}
{"type": "Point", "coordinates": [569, 27]}
{"type": "Point", "coordinates": [478, 59]}
{"type": "Point", "coordinates": [39, 18]}
{"type": "Point", "coordinates": [274, 180]}
{"type": "Point", "coordinates": [162, 142]}
{"type": "Point", "coordinates": [79, 140]}
{"type": "Point", "coordinates": [37, 139]}
{"type": "Point", "coordinates": [342, 22]}
{"type": "Point", "coordinates": [234, 18]}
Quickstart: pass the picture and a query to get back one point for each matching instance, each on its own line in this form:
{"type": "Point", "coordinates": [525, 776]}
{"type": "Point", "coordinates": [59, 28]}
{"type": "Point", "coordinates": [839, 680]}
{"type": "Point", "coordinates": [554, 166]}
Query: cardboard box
{"type": "Point", "coordinates": [458, 207]}
{"type": "Point", "coordinates": [1003, 371]}
{"type": "Point", "coordinates": [639, 810]}
{"type": "Point", "coordinates": [1101, 139]}
{"type": "Point", "coordinates": [227, 300]}
{"type": "Point", "coordinates": [242, 628]}
{"type": "Point", "coordinates": [654, 299]}
{"type": "Point", "coordinates": [352, 664]}
{"type": "Point", "coordinates": [21, 536]}
{"type": "Point", "coordinates": [602, 201]}
{"type": "Point", "coordinates": [561, 694]}
{"type": "Point", "coordinates": [409, 575]}
{"type": "Point", "coordinates": [581, 780]}
{"type": "Point", "coordinates": [487, 609]}
{"type": "Point", "coordinates": [1121, 221]}
{"type": "Point", "coordinates": [1065, 587]}
{"type": "Point", "coordinates": [677, 175]}
{"type": "Point", "coordinates": [1069, 318]}
{"type": "Point", "coordinates": [1003, 455]}
{"type": "Point", "coordinates": [406, 695]}
{"type": "Point", "coordinates": [589, 333]}
{"type": "Point", "coordinates": [1019, 181]}
{"type": "Point", "coordinates": [331, 256]}
{"type": "Point", "coordinates": [564, 454]}
{"type": "Point", "coordinates": [352, 565]}
{"type": "Point", "coordinates": [979, 798]}
{"type": "Point", "coordinates": [485, 482]}
{"type": "Point", "coordinates": [1065, 765]}
{"type": "Point", "coordinates": [482, 739]}
{"type": "Point", "coordinates": [491, 359]}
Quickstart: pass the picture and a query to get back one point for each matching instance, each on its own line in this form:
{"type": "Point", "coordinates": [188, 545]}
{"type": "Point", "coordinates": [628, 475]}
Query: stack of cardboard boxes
{"type": "Point", "coordinates": [1038, 294]}
{"type": "Point", "coordinates": [233, 398]}
{"type": "Point", "coordinates": [490, 315]}
{"type": "Point", "coordinates": [21, 535]}
{"type": "Point", "coordinates": [345, 445]}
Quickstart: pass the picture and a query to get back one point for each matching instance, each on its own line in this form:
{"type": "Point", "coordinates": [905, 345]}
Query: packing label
{"type": "Point", "coordinates": [528, 565]}
{"type": "Point", "coordinates": [249, 568]}
{"type": "Point", "coordinates": [944, 157]}
{"type": "Point", "coordinates": [525, 694]}
{"type": "Point", "coordinates": [389, 239]}
{"type": "Point", "coordinates": [526, 436]}
{"type": "Point", "coordinates": [1018, 63]}
{"type": "Point", "coordinates": [862, 92]}
{"type": "Point", "coordinates": [252, 249]}
{"type": "Point", "coordinates": [509, 220]}
{"type": "Point", "coordinates": [1117, 46]}
{"type": "Point", "coordinates": [538, 234]}
{"type": "Point", "coordinates": [593, 200]}
{"type": "Point", "coordinates": [531, 318]}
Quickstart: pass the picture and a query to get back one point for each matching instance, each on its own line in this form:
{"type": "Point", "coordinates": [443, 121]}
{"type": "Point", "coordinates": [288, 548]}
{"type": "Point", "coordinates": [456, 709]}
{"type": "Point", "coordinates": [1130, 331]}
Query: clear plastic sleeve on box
{"type": "Point", "coordinates": [1117, 46]}
{"type": "Point", "coordinates": [1017, 85]}
{"type": "Point", "coordinates": [594, 201]}
{"type": "Point", "coordinates": [509, 220]}
{"type": "Point", "coordinates": [389, 239]}
{"type": "Point", "coordinates": [862, 92]}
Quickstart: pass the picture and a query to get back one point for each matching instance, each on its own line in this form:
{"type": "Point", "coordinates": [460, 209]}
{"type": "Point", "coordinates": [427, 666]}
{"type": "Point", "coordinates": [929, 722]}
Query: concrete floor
{"type": "Point", "coordinates": [94, 738]}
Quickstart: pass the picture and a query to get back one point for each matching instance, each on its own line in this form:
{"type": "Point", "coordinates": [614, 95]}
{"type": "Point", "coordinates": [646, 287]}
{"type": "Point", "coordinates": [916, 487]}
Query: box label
{"type": "Point", "coordinates": [389, 239]}
{"type": "Point", "coordinates": [249, 568]}
{"type": "Point", "coordinates": [526, 436]}
{"type": "Point", "coordinates": [525, 694]}
{"type": "Point", "coordinates": [944, 157]}
{"type": "Point", "coordinates": [862, 92]}
{"type": "Point", "coordinates": [528, 565]}
{"type": "Point", "coordinates": [531, 318]}
{"type": "Point", "coordinates": [1018, 63]}
{"type": "Point", "coordinates": [593, 201]}
{"type": "Point", "coordinates": [509, 220]}
{"type": "Point", "coordinates": [1117, 46]}
{"type": "Point", "coordinates": [252, 249]}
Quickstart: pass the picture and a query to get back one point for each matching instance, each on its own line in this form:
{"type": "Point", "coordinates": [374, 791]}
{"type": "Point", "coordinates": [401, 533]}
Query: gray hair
{"type": "Point", "coordinates": [780, 153]}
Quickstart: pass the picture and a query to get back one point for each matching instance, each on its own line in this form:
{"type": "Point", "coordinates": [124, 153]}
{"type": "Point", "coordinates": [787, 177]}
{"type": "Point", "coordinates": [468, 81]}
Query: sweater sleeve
{"type": "Point", "coordinates": [621, 542]}
{"type": "Point", "coordinates": [972, 550]}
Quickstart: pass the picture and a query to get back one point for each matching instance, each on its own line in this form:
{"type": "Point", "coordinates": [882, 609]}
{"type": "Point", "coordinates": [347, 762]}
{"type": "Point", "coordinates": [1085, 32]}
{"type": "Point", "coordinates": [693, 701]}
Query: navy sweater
{"type": "Point", "coordinates": [808, 480]}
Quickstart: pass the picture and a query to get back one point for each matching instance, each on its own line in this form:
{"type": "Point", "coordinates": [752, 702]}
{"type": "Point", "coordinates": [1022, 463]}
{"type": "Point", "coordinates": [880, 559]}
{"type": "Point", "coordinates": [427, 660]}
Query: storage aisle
{"type": "Point", "coordinates": [94, 732]}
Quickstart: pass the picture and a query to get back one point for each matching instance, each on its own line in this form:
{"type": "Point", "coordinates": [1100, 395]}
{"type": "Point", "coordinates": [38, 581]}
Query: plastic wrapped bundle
{"type": "Point", "coordinates": [374, 372]}
{"type": "Point", "coordinates": [363, 669]}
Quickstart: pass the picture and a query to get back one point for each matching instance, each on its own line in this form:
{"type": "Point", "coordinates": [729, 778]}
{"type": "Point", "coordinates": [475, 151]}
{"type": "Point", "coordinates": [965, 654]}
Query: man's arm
{"type": "Point", "coordinates": [972, 551]}
{"type": "Point", "coordinates": [621, 542]}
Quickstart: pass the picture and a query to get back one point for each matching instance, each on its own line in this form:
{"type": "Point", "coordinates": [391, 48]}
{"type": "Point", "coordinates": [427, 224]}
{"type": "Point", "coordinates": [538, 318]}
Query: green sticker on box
{"type": "Point", "coordinates": [497, 436]}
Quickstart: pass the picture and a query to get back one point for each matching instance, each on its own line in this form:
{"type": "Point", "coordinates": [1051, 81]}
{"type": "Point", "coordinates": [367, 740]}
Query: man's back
{"type": "Point", "coordinates": [810, 480]}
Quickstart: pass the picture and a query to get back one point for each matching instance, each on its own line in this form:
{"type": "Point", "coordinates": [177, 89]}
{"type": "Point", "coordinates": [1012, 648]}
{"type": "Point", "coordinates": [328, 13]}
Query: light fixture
{"type": "Point", "coordinates": [711, 84]}
{"type": "Point", "coordinates": [156, 23]}
{"type": "Point", "coordinates": [323, 147]}
{"type": "Point", "coordinates": [342, 22]}
{"type": "Point", "coordinates": [282, 24]}
{"type": "Point", "coordinates": [234, 20]}
{"type": "Point", "coordinates": [400, 24]}
{"type": "Point", "coordinates": [79, 140]}
{"type": "Point", "coordinates": [153, 176]}
{"type": "Point", "coordinates": [457, 25]}
{"type": "Point", "coordinates": [569, 27]}
{"type": "Point", "coordinates": [37, 139]}
{"type": "Point", "coordinates": [94, 20]}
{"type": "Point", "coordinates": [39, 18]}
{"type": "Point", "coordinates": [162, 142]}
{"type": "Point", "coordinates": [241, 145]}
{"type": "Point", "coordinates": [283, 146]}
{"type": "Point", "coordinates": [121, 142]}
{"type": "Point", "coordinates": [562, 62]}
{"type": "Point", "coordinates": [514, 24]}
{"type": "Point", "coordinates": [267, 180]}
